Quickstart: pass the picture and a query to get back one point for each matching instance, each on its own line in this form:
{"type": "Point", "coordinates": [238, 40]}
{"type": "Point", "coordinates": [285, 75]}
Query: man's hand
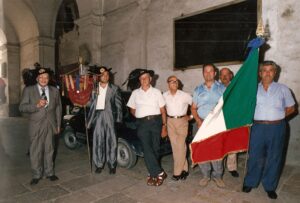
{"type": "Point", "coordinates": [164, 131]}
{"type": "Point", "coordinates": [189, 117]}
{"type": "Point", "coordinates": [41, 103]}
{"type": "Point", "coordinates": [199, 123]}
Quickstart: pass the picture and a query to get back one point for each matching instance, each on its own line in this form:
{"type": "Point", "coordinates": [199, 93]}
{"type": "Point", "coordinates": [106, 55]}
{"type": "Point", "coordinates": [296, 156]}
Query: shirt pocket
{"type": "Point", "coordinates": [277, 102]}
{"type": "Point", "coordinates": [202, 99]}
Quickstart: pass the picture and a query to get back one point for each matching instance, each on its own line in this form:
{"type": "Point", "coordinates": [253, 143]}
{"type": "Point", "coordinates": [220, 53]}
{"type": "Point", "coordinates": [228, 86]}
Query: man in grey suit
{"type": "Point", "coordinates": [105, 113]}
{"type": "Point", "coordinates": [43, 104]}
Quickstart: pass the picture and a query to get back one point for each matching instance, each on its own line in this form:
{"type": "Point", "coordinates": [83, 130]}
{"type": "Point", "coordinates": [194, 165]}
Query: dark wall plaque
{"type": "Point", "coordinates": [216, 36]}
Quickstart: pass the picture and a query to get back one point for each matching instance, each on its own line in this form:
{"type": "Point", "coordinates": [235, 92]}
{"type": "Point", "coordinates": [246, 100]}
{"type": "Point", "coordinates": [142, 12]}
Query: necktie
{"type": "Point", "coordinates": [43, 96]}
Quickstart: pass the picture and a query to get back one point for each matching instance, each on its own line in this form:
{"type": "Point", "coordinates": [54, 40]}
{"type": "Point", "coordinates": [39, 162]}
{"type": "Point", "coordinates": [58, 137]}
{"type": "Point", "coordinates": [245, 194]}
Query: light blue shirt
{"type": "Point", "coordinates": [271, 104]}
{"type": "Point", "coordinates": [206, 99]}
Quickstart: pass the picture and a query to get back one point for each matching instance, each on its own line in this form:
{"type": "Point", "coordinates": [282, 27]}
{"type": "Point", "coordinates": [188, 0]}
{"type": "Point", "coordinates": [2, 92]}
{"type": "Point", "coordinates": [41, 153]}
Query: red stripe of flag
{"type": "Point", "coordinates": [218, 146]}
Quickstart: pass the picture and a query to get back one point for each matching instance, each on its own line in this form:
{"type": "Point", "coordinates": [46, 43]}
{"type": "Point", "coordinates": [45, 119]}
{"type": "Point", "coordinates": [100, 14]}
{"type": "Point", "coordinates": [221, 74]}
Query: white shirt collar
{"type": "Point", "coordinates": [150, 88]}
{"type": "Point", "coordinates": [40, 87]}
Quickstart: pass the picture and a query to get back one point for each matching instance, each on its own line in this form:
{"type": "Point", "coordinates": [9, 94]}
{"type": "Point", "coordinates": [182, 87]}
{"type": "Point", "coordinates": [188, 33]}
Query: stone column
{"type": "Point", "coordinates": [38, 49]}
{"type": "Point", "coordinates": [46, 52]}
{"type": "Point", "coordinates": [13, 79]}
{"type": "Point", "coordinates": [3, 76]}
{"type": "Point", "coordinates": [90, 37]}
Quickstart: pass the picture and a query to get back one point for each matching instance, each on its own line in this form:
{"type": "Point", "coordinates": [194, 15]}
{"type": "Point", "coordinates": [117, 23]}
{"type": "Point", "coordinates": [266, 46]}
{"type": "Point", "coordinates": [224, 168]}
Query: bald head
{"type": "Point", "coordinates": [225, 76]}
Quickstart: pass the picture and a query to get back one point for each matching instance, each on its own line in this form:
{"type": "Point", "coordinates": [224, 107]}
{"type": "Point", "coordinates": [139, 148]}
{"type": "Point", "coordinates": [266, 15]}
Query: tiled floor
{"type": "Point", "coordinates": [77, 184]}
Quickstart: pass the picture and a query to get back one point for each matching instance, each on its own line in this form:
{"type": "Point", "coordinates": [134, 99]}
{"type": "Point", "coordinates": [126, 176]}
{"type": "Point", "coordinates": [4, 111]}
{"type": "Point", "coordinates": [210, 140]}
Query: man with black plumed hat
{"type": "Point", "coordinates": [105, 113]}
{"type": "Point", "coordinates": [43, 104]}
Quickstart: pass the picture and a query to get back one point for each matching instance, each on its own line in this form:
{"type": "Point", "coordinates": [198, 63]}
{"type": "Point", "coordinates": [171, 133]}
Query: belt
{"type": "Point", "coordinates": [176, 116]}
{"type": "Point", "coordinates": [268, 122]}
{"type": "Point", "coordinates": [151, 117]}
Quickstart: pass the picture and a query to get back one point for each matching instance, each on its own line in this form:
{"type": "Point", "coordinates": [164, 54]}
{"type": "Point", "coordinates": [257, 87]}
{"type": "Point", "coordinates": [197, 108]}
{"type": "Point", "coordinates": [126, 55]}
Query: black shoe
{"type": "Point", "coordinates": [247, 189]}
{"type": "Point", "coordinates": [184, 175]}
{"type": "Point", "coordinates": [34, 181]}
{"type": "Point", "coordinates": [98, 170]}
{"type": "Point", "coordinates": [176, 178]}
{"type": "Point", "coordinates": [272, 194]}
{"type": "Point", "coordinates": [52, 178]}
{"type": "Point", "coordinates": [234, 173]}
{"type": "Point", "coordinates": [112, 171]}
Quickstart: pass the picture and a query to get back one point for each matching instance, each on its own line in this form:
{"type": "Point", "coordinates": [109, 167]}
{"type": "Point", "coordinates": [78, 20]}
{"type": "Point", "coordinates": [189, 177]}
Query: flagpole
{"type": "Point", "coordinates": [85, 119]}
{"type": "Point", "coordinates": [87, 140]}
{"type": "Point", "coordinates": [260, 32]}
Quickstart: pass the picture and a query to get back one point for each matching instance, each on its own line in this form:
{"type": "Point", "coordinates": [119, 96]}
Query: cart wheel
{"type": "Point", "coordinates": [126, 156]}
{"type": "Point", "coordinates": [70, 139]}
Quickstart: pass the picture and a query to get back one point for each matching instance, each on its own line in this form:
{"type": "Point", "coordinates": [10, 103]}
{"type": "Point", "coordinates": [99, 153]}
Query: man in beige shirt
{"type": "Point", "coordinates": [177, 103]}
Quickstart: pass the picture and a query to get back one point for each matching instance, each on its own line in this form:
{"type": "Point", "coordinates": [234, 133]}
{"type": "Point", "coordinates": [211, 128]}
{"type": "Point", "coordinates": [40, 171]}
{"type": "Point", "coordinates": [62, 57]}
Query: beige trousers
{"type": "Point", "coordinates": [232, 162]}
{"type": "Point", "coordinates": [177, 131]}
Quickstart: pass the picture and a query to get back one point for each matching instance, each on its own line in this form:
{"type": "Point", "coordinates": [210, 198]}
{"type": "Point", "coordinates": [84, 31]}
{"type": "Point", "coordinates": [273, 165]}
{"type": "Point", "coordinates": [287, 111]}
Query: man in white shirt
{"type": "Point", "coordinates": [177, 103]}
{"type": "Point", "coordinates": [148, 106]}
{"type": "Point", "coordinates": [104, 114]}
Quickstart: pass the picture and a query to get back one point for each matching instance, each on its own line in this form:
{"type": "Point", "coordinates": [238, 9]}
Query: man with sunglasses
{"type": "Point", "coordinates": [177, 103]}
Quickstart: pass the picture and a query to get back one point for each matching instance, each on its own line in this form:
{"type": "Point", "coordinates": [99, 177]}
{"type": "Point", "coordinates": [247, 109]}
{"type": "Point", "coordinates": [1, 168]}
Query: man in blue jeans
{"type": "Point", "coordinates": [205, 98]}
{"type": "Point", "coordinates": [274, 103]}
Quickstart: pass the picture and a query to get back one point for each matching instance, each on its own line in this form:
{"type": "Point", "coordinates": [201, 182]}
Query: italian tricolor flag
{"type": "Point", "coordinates": [226, 128]}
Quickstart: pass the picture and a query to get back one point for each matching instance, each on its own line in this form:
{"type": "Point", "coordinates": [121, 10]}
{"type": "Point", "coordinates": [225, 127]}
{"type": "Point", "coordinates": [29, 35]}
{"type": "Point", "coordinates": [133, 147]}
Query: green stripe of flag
{"type": "Point", "coordinates": [240, 96]}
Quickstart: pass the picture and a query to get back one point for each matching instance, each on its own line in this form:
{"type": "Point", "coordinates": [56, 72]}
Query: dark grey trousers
{"type": "Point", "coordinates": [149, 133]}
{"type": "Point", "coordinates": [41, 151]}
{"type": "Point", "coordinates": [104, 141]}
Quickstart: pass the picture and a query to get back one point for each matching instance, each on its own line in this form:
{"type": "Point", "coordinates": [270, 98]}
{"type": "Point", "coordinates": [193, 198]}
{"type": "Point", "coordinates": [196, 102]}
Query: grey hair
{"type": "Point", "coordinates": [268, 63]}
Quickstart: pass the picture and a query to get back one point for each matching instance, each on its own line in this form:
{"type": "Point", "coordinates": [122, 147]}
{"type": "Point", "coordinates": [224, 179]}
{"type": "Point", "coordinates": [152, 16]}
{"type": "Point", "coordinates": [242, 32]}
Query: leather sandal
{"type": "Point", "coordinates": [160, 179]}
{"type": "Point", "coordinates": [151, 181]}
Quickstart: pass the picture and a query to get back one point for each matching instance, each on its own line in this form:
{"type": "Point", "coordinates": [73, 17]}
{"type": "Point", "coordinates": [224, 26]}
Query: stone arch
{"type": "Point", "coordinates": [20, 16]}
{"type": "Point", "coordinates": [21, 29]}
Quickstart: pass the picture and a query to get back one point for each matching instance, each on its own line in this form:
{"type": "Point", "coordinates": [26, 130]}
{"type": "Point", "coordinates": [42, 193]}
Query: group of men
{"type": "Point", "coordinates": [160, 114]}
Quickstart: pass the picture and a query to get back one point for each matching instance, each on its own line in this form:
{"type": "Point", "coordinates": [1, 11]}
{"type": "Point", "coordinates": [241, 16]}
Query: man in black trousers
{"type": "Point", "coordinates": [148, 106]}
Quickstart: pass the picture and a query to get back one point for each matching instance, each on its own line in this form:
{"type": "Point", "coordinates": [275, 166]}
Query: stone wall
{"type": "Point", "coordinates": [140, 34]}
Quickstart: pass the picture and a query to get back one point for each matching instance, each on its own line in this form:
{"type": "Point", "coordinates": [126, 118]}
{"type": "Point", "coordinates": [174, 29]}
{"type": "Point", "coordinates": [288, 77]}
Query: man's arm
{"type": "Point", "coordinates": [195, 115]}
{"type": "Point", "coordinates": [91, 113]}
{"type": "Point", "coordinates": [164, 131]}
{"type": "Point", "coordinates": [118, 103]}
{"type": "Point", "coordinates": [132, 111]}
{"type": "Point", "coordinates": [25, 105]}
{"type": "Point", "coordinates": [58, 111]}
{"type": "Point", "coordinates": [289, 110]}
{"type": "Point", "coordinates": [163, 115]}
